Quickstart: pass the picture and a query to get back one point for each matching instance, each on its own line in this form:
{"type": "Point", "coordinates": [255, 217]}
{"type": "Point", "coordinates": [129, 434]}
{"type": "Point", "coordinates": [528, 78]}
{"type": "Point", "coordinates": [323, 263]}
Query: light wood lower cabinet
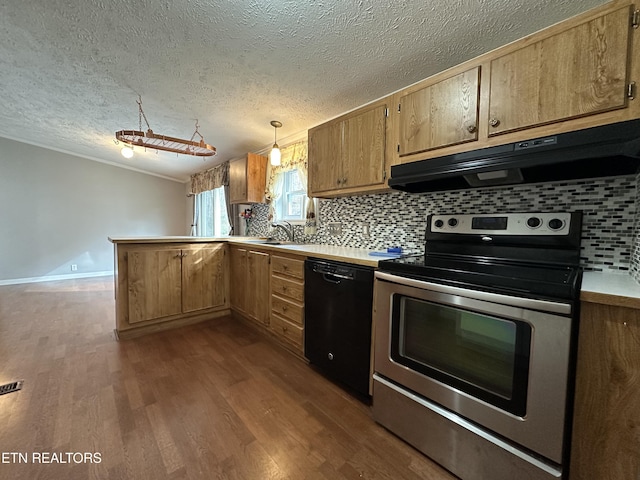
{"type": "Point", "coordinates": [606, 429]}
{"type": "Point", "coordinates": [257, 298]}
{"type": "Point", "coordinates": [204, 271]}
{"type": "Point", "coordinates": [238, 274]}
{"type": "Point", "coordinates": [287, 300]}
{"type": "Point", "coordinates": [161, 283]}
{"type": "Point", "coordinates": [154, 285]}
{"type": "Point", "coordinates": [268, 289]}
{"type": "Point", "coordinates": [250, 283]}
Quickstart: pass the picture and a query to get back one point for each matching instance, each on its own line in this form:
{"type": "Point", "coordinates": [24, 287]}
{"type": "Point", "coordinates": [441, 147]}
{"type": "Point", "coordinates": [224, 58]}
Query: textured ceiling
{"type": "Point", "coordinates": [72, 70]}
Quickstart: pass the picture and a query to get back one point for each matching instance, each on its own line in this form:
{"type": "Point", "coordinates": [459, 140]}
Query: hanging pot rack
{"type": "Point", "coordinates": [149, 139]}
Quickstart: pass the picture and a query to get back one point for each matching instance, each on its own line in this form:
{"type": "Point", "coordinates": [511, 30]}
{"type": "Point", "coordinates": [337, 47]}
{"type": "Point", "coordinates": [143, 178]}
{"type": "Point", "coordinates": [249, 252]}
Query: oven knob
{"type": "Point", "coordinates": [452, 222]}
{"type": "Point", "coordinates": [438, 223]}
{"type": "Point", "coordinates": [533, 222]}
{"type": "Point", "coordinates": [556, 224]}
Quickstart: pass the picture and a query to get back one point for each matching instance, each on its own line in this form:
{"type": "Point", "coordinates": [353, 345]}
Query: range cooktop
{"type": "Point", "coordinates": [533, 255]}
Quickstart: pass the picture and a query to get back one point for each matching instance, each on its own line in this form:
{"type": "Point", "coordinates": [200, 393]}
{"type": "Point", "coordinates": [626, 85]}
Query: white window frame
{"type": "Point", "coordinates": [212, 218]}
{"type": "Point", "coordinates": [281, 204]}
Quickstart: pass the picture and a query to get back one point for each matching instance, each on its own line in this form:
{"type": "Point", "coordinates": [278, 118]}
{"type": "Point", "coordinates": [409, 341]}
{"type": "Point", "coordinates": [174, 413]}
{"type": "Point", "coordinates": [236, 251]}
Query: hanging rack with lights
{"type": "Point", "coordinates": [149, 139]}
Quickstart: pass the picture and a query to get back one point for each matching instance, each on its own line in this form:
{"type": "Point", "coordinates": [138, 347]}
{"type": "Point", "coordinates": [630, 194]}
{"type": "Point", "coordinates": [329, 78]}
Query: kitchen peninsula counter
{"type": "Point", "coordinates": [597, 287]}
{"type": "Point", "coordinates": [358, 256]}
{"type": "Point", "coordinates": [170, 281]}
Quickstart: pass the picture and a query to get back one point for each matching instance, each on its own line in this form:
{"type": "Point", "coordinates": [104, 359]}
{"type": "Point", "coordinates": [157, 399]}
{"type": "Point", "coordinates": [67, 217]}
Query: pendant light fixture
{"type": "Point", "coordinates": [127, 151]}
{"type": "Point", "coordinates": [275, 151]}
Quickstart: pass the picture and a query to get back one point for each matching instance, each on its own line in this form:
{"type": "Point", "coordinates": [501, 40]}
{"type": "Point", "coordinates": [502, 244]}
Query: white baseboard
{"type": "Point", "coordinates": [50, 278]}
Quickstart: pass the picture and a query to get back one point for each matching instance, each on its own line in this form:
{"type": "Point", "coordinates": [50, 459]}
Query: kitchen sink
{"type": "Point", "coordinates": [267, 241]}
{"type": "Point", "coordinates": [271, 241]}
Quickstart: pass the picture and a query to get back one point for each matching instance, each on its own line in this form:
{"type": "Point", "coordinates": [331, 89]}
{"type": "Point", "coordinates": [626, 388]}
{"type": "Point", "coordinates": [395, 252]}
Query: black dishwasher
{"type": "Point", "coordinates": [338, 300]}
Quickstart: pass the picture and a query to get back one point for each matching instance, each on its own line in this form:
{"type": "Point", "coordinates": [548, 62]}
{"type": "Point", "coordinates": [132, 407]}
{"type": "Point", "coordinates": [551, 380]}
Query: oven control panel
{"type": "Point", "coordinates": [555, 223]}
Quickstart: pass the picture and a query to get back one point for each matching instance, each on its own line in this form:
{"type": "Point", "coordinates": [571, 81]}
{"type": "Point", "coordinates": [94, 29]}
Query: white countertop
{"type": "Point", "coordinates": [358, 256]}
{"type": "Point", "coordinates": [600, 287]}
{"type": "Point", "coordinates": [610, 288]}
{"type": "Point", "coordinates": [171, 239]}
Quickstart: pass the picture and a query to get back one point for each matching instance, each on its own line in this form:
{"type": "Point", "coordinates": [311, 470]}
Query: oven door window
{"type": "Point", "coordinates": [484, 356]}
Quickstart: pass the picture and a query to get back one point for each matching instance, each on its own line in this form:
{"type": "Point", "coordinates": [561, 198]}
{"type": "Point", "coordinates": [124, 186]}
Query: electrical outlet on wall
{"type": "Point", "coordinates": [365, 230]}
{"type": "Point", "coordinates": [335, 228]}
{"type": "Point", "coordinates": [74, 267]}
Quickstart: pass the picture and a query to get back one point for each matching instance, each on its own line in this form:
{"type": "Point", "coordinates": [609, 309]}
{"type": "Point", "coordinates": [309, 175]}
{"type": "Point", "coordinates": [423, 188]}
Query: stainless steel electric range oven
{"type": "Point", "coordinates": [474, 343]}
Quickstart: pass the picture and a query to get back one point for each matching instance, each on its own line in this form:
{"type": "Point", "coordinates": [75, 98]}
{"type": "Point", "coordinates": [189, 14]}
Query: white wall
{"type": "Point", "coordinates": [57, 210]}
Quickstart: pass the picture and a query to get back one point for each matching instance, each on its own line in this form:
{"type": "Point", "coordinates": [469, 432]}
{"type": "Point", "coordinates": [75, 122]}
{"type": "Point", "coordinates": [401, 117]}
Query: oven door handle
{"type": "Point", "coordinates": [529, 303]}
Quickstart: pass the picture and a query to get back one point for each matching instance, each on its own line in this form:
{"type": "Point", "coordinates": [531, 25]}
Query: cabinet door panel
{"type": "Point", "coordinates": [257, 292]}
{"type": "Point", "coordinates": [325, 157]}
{"type": "Point", "coordinates": [238, 180]}
{"type": "Point", "coordinates": [581, 71]}
{"type": "Point", "coordinates": [364, 149]}
{"type": "Point", "coordinates": [154, 284]}
{"type": "Point", "coordinates": [238, 284]}
{"type": "Point", "coordinates": [607, 406]}
{"type": "Point", "coordinates": [203, 284]}
{"type": "Point", "coordinates": [442, 114]}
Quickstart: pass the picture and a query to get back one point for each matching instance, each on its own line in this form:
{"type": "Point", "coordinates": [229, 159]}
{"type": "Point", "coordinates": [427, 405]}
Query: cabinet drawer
{"type": "Point", "coordinates": [291, 311]}
{"type": "Point", "coordinates": [287, 266]}
{"type": "Point", "coordinates": [286, 329]}
{"type": "Point", "coordinates": [285, 287]}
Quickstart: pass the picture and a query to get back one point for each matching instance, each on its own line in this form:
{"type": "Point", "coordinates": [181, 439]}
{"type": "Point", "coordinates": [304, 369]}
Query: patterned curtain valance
{"type": "Point", "coordinates": [215, 177]}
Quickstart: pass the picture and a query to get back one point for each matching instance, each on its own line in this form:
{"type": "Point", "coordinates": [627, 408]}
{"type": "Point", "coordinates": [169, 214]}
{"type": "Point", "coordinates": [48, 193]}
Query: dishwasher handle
{"type": "Point", "coordinates": [333, 273]}
{"type": "Point", "coordinates": [335, 278]}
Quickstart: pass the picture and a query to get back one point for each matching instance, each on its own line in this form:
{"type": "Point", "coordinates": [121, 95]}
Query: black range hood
{"type": "Point", "coordinates": [606, 151]}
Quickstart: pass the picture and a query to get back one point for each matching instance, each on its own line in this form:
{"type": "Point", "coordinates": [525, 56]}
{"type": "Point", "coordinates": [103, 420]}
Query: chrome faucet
{"type": "Point", "coordinates": [288, 230]}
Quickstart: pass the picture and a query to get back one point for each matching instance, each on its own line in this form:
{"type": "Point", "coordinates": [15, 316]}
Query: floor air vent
{"type": "Point", "coordinates": [10, 387]}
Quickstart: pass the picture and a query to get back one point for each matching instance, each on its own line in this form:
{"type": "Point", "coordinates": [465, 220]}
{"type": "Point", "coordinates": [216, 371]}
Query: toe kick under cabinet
{"type": "Point", "coordinates": [287, 300]}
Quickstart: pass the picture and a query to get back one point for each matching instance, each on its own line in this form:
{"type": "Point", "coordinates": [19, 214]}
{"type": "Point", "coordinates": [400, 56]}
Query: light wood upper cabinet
{"type": "Point", "coordinates": [325, 157]}
{"type": "Point", "coordinates": [247, 179]}
{"type": "Point", "coordinates": [438, 115]}
{"type": "Point", "coordinates": [580, 71]}
{"type": "Point", "coordinates": [577, 74]}
{"type": "Point", "coordinates": [347, 154]}
{"type": "Point", "coordinates": [363, 148]}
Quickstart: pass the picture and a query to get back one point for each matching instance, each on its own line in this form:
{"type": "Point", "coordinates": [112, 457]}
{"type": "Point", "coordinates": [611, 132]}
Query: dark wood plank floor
{"type": "Point", "coordinates": [210, 401]}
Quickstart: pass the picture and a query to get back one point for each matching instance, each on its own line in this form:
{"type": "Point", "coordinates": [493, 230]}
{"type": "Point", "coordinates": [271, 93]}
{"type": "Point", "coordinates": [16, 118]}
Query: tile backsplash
{"type": "Point", "coordinates": [609, 234]}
